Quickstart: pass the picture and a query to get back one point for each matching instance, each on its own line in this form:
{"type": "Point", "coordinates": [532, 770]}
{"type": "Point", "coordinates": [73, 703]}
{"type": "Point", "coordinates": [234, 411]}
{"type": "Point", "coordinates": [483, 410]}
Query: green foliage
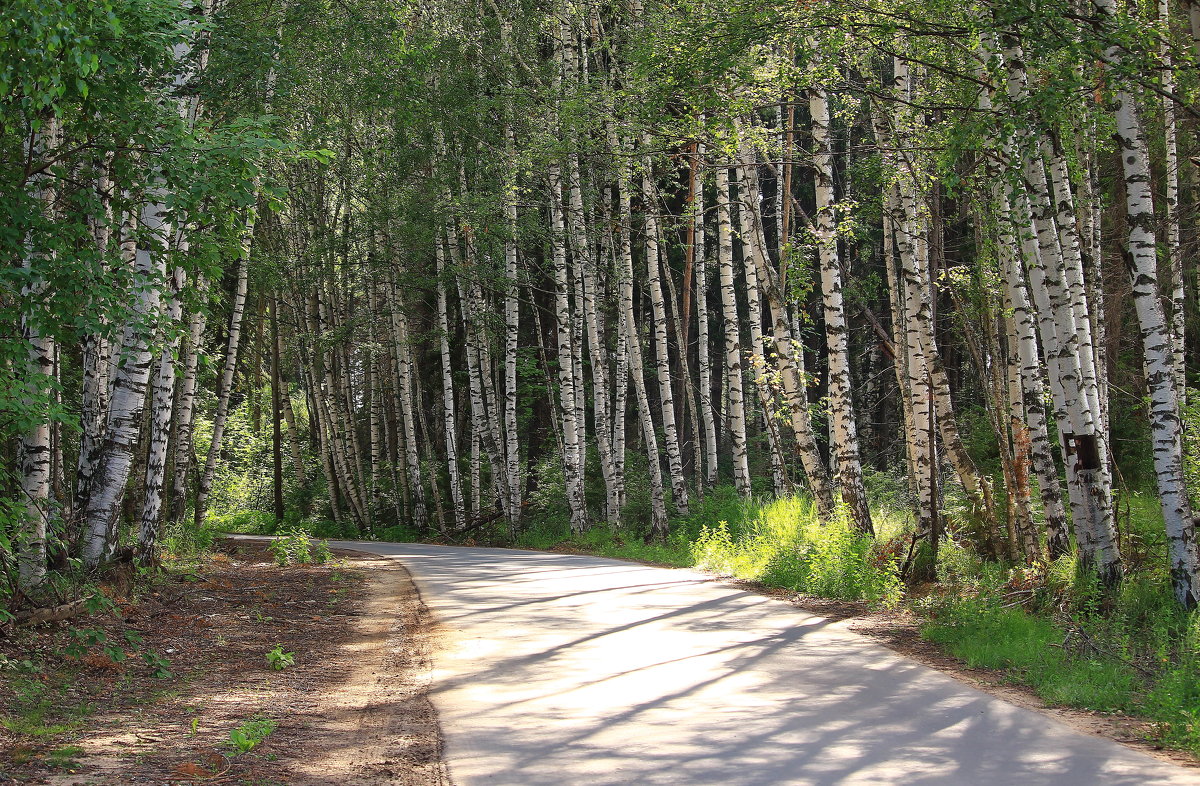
{"type": "Point", "coordinates": [160, 665]}
{"type": "Point", "coordinates": [250, 522]}
{"type": "Point", "coordinates": [291, 547]}
{"type": "Point", "coordinates": [183, 542]}
{"type": "Point", "coordinates": [398, 534]}
{"type": "Point", "coordinates": [986, 634]}
{"type": "Point", "coordinates": [279, 660]}
{"type": "Point", "coordinates": [295, 546]}
{"type": "Point", "coordinates": [1053, 628]}
{"type": "Point", "coordinates": [250, 734]}
{"type": "Point", "coordinates": [32, 708]}
{"type": "Point", "coordinates": [787, 545]}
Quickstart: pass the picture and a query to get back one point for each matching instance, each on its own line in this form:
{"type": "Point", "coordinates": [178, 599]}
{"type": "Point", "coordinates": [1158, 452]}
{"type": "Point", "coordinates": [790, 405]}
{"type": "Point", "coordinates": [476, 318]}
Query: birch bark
{"type": "Point", "coordinates": [736, 413]}
{"type": "Point", "coordinates": [658, 505]}
{"type": "Point", "coordinates": [841, 405]}
{"type": "Point", "coordinates": [662, 360]}
{"type": "Point", "coordinates": [127, 395]}
{"type": "Point", "coordinates": [162, 397]}
{"type": "Point", "coordinates": [1157, 349]}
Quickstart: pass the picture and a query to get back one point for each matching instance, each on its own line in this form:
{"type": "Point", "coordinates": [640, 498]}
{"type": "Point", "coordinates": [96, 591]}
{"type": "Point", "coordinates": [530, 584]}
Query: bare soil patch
{"type": "Point", "coordinates": [352, 709]}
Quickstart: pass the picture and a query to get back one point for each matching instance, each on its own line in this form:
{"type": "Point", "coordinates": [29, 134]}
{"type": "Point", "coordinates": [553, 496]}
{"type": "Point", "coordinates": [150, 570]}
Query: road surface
{"type": "Point", "coordinates": [561, 670]}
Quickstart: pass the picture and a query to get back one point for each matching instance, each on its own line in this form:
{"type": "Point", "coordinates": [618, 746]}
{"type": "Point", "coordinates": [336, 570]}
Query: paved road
{"type": "Point", "coordinates": [564, 670]}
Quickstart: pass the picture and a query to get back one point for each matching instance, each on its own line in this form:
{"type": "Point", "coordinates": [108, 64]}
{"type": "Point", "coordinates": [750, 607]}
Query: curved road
{"type": "Point", "coordinates": [562, 670]}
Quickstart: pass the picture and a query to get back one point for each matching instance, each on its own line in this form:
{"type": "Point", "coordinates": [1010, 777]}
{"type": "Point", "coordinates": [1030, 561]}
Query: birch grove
{"type": "Point", "coordinates": [562, 268]}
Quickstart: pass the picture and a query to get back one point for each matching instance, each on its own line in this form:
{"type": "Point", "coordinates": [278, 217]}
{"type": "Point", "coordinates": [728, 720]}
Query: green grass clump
{"type": "Point", "coordinates": [786, 544]}
{"type": "Point", "coordinates": [985, 634]}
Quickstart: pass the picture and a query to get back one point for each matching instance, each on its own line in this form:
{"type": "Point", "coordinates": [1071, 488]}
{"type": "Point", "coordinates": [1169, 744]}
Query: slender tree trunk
{"type": "Point", "coordinates": [736, 416]}
{"type": "Point", "coordinates": [754, 257]}
{"type": "Point", "coordinates": [658, 505]}
{"type": "Point", "coordinates": [127, 395]}
{"type": "Point", "coordinates": [34, 454]}
{"type": "Point", "coordinates": [407, 408]}
{"type": "Point", "coordinates": [567, 376]}
{"type": "Point", "coordinates": [162, 396]}
{"type": "Point", "coordinates": [1171, 225]}
{"type": "Point", "coordinates": [512, 326]}
{"type": "Point", "coordinates": [704, 357]}
{"type": "Point", "coordinates": [1032, 388]}
{"type": "Point", "coordinates": [95, 359]}
{"type": "Point", "coordinates": [225, 388]}
{"type": "Point", "coordinates": [662, 359]}
{"type": "Point", "coordinates": [1157, 349]}
{"type": "Point", "coordinates": [449, 419]}
{"type": "Point", "coordinates": [912, 369]}
{"type": "Point", "coordinates": [1076, 399]}
{"type": "Point", "coordinates": [276, 414]}
{"type": "Point", "coordinates": [841, 405]}
{"type": "Point", "coordinates": [185, 409]}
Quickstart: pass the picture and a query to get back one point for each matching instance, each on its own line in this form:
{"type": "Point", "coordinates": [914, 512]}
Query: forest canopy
{"type": "Point", "coordinates": [479, 269]}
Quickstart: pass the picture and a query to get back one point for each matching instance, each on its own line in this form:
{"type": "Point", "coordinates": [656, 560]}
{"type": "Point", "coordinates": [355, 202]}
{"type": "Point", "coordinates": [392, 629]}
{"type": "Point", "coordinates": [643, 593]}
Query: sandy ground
{"type": "Point", "coordinates": [353, 709]}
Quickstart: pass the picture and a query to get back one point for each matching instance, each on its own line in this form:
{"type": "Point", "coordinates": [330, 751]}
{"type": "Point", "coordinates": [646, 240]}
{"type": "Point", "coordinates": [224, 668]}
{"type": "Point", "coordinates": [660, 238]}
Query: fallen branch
{"type": "Point", "coordinates": [51, 613]}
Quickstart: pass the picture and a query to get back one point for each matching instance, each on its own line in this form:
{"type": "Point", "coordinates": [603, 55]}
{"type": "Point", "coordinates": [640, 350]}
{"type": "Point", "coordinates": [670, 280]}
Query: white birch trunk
{"type": "Point", "coordinates": [1077, 407]}
{"type": "Point", "coordinates": [912, 371]}
{"type": "Point", "coordinates": [34, 452]}
{"type": "Point", "coordinates": [736, 413]}
{"type": "Point", "coordinates": [567, 376]}
{"type": "Point", "coordinates": [127, 396]}
{"type": "Point", "coordinates": [1171, 226]}
{"type": "Point", "coordinates": [406, 405]}
{"type": "Point", "coordinates": [1157, 349]}
{"type": "Point", "coordinates": [162, 397]}
{"type": "Point", "coordinates": [512, 324]}
{"type": "Point", "coordinates": [841, 405]}
{"type": "Point", "coordinates": [448, 409]}
{"type": "Point", "coordinates": [754, 257]}
{"type": "Point", "coordinates": [628, 325]}
{"type": "Point", "coordinates": [225, 389]}
{"type": "Point", "coordinates": [662, 359]}
{"type": "Point", "coordinates": [702, 338]}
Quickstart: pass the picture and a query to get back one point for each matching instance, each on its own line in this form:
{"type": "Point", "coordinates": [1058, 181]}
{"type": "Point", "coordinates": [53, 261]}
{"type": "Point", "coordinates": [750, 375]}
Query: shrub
{"type": "Point", "coordinates": [292, 547]}
{"type": "Point", "coordinates": [787, 545]}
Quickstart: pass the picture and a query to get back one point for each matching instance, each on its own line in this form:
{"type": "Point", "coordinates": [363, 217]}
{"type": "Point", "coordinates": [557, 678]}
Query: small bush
{"type": "Point", "coordinates": [249, 522]}
{"type": "Point", "coordinates": [183, 541]}
{"type": "Point", "coordinates": [787, 545]}
{"type": "Point", "coordinates": [291, 547]}
{"type": "Point", "coordinates": [279, 660]}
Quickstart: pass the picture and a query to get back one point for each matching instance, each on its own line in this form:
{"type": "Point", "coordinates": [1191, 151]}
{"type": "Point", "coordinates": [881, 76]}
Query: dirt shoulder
{"type": "Point", "coordinates": [900, 631]}
{"type": "Point", "coordinates": [354, 707]}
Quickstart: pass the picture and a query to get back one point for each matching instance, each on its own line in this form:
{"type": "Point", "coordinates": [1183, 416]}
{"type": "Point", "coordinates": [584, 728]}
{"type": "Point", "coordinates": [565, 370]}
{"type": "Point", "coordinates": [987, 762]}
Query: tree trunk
{"type": "Point", "coordinates": [662, 359]}
{"type": "Point", "coordinates": [736, 415]}
{"type": "Point", "coordinates": [841, 405]}
{"type": "Point", "coordinates": [162, 397]}
{"type": "Point", "coordinates": [1157, 349]}
{"type": "Point", "coordinates": [127, 396]}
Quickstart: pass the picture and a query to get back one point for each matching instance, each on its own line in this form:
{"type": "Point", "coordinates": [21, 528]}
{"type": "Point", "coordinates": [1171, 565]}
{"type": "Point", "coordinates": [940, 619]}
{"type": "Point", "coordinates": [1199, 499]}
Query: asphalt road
{"type": "Point", "coordinates": [563, 670]}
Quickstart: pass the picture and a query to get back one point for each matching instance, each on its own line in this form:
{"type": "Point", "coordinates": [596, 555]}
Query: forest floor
{"type": "Point", "coordinates": [900, 631]}
{"type": "Point", "coordinates": [191, 680]}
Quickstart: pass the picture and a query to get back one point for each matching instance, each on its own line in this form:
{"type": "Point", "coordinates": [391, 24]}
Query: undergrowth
{"type": "Point", "coordinates": [1051, 627]}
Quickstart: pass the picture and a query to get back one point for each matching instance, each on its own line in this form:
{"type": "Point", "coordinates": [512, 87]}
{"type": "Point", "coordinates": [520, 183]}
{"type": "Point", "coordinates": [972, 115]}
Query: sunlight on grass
{"type": "Point", "coordinates": [786, 544]}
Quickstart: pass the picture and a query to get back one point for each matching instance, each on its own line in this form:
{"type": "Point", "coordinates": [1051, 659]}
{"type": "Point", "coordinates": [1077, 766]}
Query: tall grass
{"type": "Point", "coordinates": [785, 544]}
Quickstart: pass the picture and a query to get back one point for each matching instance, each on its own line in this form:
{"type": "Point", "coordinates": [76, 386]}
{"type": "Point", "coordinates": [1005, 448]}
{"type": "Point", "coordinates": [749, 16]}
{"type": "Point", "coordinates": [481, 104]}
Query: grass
{"type": "Point", "coordinates": [32, 712]}
{"type": "Point", "coordinates": [1031, 649]}
{"type": "Point", "coordinates": [785, 544]}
